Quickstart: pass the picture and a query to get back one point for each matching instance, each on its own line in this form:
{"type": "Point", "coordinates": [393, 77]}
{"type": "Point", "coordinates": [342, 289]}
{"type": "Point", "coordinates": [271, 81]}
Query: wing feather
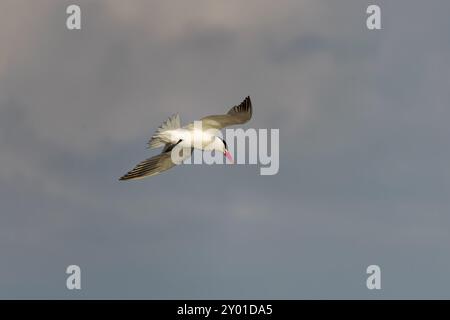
{"type": "Point", "coordinates": [237, 115]}
{"type": "Point", "coordinates": [154, 165]}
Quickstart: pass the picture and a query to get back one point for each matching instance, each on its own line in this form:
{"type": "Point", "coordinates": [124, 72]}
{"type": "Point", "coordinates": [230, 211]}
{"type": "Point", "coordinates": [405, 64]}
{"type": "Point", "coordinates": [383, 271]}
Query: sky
{"type": "Point", "coordinates": [364, 172]}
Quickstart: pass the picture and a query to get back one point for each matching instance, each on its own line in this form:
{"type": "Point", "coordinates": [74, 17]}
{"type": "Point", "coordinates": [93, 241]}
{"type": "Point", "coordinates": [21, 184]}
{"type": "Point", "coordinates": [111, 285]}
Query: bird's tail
{"type": "Point", "coordinates": [172, 123]}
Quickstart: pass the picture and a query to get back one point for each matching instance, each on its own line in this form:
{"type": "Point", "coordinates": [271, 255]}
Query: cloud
{"type": "Point", "coordinates": [363, 165]}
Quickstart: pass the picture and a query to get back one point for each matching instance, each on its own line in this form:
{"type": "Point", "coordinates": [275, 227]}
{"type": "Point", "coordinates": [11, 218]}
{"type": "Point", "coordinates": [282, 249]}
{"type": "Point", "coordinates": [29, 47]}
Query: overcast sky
{"type": "Point", "coordinates": [364, 149]}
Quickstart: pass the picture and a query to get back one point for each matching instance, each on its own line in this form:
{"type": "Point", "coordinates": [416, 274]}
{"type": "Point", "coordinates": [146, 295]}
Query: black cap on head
{"type": "Point", "coordinates": [224, 142]}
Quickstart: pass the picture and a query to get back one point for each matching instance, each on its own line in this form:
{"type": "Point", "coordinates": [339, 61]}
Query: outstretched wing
{"type": "Point", "coordinates": [237, 115]}
{"type": "Point", "coordinates": [156, 164]}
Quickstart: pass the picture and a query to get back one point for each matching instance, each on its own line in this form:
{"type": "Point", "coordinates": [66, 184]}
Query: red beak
{"type": "Point", "coordinates": [228, 155]}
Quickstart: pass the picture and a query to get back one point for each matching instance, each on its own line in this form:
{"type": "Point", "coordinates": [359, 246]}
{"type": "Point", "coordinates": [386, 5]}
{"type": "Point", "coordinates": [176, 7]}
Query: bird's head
{"type": "Point", "coordinates": [224, 149]}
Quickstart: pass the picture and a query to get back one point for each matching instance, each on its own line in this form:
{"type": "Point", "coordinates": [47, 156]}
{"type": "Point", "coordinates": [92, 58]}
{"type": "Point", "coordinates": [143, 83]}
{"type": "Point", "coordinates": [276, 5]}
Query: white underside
{"type": "Point", "coordinates": [197, 139]}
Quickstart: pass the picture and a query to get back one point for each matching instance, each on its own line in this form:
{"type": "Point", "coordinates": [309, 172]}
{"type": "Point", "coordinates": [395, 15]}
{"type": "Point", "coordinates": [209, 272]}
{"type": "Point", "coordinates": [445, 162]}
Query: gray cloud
{"type": "Point", "coordinates": [363, 167]}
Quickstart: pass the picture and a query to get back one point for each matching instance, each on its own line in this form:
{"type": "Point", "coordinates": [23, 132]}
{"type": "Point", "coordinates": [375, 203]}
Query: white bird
{"type": "Point", "coordinates": [171, 134]}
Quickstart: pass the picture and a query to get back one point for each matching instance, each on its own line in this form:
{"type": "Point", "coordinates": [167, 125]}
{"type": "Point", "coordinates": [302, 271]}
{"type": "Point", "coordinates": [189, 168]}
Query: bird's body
{"type": "Point", "coordinates": [196, 135]}
{"type": "Point", "coordinates": [195, 138]}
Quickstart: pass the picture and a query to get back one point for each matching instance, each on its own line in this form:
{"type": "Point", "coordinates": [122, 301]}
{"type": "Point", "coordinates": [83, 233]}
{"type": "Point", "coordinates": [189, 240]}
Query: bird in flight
{"type": "Point", "coordinates": [170, 135]}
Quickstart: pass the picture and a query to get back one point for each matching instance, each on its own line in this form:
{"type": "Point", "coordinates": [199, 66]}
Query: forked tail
{"type": "Point", "coordinates": [170, 124]}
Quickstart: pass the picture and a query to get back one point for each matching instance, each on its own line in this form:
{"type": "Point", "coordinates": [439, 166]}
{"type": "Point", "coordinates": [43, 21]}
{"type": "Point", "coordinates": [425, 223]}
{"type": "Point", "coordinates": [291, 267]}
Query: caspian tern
{"type": "Point", "coordinates": [189, 137]}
